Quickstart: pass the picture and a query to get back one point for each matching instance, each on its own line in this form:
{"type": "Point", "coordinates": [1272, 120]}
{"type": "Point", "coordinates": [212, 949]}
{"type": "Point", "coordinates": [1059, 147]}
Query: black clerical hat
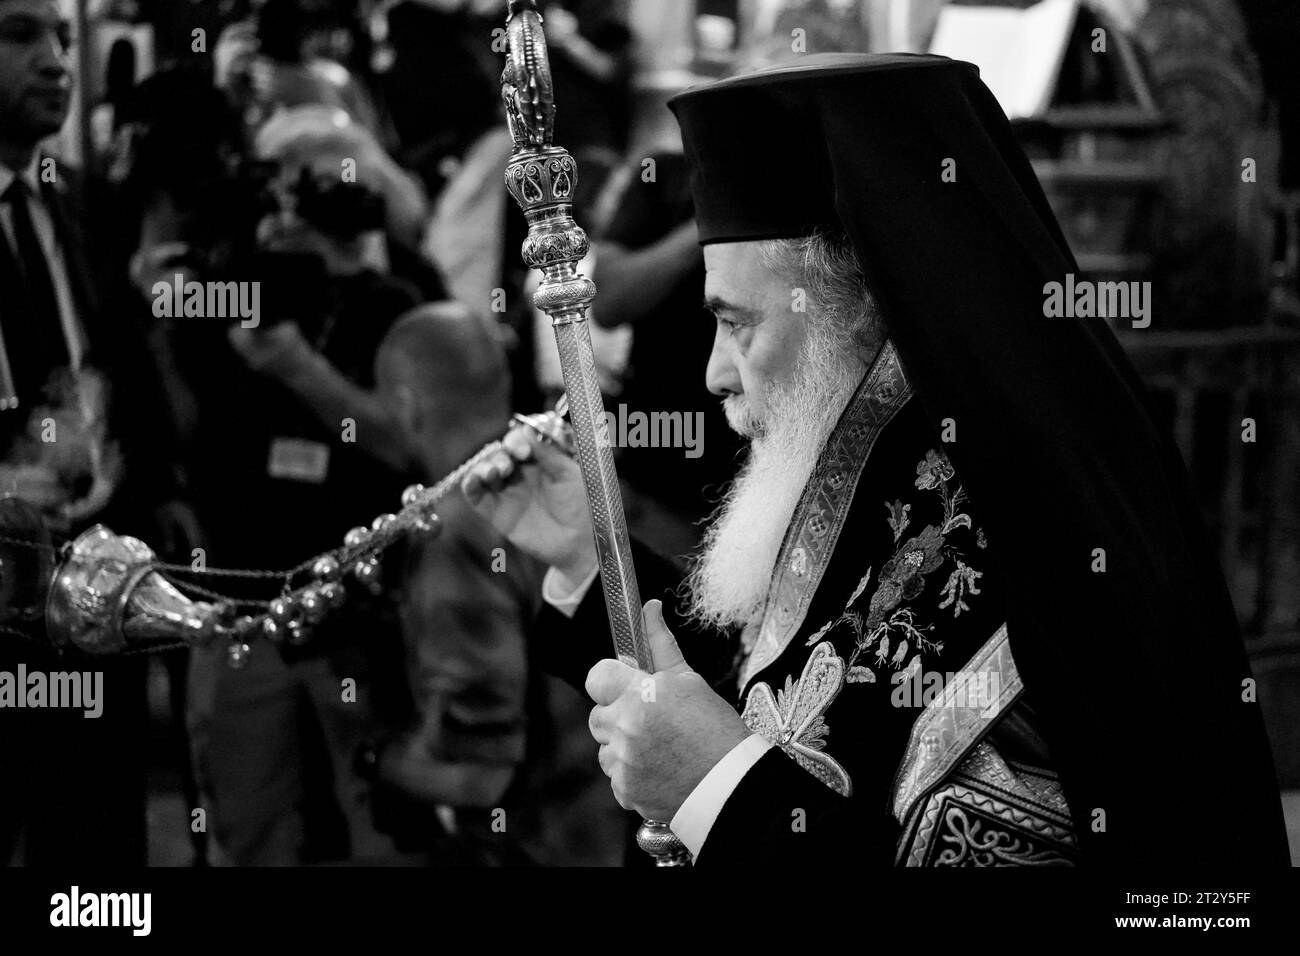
{"type": "Point", "coordinates": [760, 152]}
{"type": "Point", "coordinates": [785, 150]}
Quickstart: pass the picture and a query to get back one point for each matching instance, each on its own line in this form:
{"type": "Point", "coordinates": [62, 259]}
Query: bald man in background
{"type": "Point", "coordinates": [463, 781]}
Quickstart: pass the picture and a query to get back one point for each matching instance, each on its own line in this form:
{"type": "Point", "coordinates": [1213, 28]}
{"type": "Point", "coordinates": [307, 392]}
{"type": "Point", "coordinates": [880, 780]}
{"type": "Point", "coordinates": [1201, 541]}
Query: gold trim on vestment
{"type": "Point", "coordinates": [823, 508]}
{"type": "Point", "coordinates": [959, 801]}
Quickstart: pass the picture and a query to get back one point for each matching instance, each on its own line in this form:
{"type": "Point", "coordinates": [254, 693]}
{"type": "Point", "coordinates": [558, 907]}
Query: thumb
{"type": "Point", "coordinates": [663, 646]}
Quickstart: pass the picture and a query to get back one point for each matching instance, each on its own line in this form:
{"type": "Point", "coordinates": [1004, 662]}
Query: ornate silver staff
{"type": "Point", "coordinates": [542, 176]}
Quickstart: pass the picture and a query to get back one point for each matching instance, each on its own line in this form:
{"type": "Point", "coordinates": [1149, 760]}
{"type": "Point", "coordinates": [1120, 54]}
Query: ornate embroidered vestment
{"type": "Point", "coordinates": [886, 582]}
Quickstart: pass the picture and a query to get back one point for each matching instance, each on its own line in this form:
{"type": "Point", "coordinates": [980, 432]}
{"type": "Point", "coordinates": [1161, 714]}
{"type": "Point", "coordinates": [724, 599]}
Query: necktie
{"type": "Point", "coordinates": [33, 330]}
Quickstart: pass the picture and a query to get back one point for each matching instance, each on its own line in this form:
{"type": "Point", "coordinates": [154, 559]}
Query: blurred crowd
{"type": "Point", "coordinates": [347, 158]}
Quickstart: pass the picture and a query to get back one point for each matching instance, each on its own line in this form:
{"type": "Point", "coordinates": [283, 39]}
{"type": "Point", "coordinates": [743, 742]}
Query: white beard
{"type": "Point", "coordinates": [729, 579]}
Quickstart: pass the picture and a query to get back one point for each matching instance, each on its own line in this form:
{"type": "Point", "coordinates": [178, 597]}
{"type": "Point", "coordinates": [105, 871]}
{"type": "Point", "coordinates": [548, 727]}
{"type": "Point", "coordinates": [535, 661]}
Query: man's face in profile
{"type": "Point", "coordinates": [786, 372]}
{"type": "Point", "coordinates": [35, 82]}
{"type": "Point", "coordinates": [759, 334]}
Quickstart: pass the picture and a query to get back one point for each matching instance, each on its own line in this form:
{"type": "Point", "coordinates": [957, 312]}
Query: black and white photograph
{"type": "Point", "coordinates": [770, 449]}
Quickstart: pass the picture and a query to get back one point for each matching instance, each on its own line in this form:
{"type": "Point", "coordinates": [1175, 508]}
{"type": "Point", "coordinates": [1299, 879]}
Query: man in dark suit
{"type": "Point", "coordinates": [77, 425]}
{"type": "Point", "coordinates": [40, 324]}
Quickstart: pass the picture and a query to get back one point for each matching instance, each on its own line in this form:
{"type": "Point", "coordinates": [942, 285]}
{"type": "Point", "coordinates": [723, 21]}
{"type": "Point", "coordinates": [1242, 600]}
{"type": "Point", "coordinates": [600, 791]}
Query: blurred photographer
{"type": "Point", "coordinates": [288, 447]}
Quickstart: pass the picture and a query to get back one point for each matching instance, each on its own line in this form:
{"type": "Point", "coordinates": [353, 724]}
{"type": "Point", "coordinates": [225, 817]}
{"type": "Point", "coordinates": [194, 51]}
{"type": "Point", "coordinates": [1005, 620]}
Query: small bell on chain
{"type": "Point", "coordinates": [297, 633]}
{"type": "Point", "coordinates": [283, 610]}
{"type": "Point", "coordinates": [334, 594]}
{"type": "Point", "coordinates": [237, 654]}
{"type": "Point", "coordinates": [368, 574]}
{"type": "Point", "coordinates": [326, 568]}
{"type": "Point", "coordinates": [312, 604]}
{"type": "Point", "coordinates": [273, 630]}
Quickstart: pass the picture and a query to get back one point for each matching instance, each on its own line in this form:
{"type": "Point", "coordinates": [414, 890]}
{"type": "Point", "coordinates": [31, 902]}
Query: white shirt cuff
{"type": "Point", "coordinates": [696, 816]}
{"type": "Point", "coordinates": [560, 593]}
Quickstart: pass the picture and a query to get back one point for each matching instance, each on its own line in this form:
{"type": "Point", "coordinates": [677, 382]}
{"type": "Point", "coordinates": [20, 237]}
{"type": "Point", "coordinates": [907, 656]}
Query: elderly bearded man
{"type": "Point", "coordinates": [944, 489]}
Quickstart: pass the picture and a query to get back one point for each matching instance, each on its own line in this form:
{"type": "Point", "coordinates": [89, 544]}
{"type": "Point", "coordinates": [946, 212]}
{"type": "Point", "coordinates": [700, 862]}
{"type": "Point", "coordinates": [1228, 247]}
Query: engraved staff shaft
{"type": "Point", "coordinates": [542, 177]}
